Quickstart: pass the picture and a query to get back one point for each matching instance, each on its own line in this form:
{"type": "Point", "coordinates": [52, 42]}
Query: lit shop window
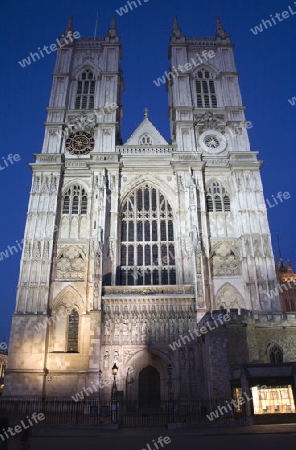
{"type": "Point", "coordinates": [273, 400]}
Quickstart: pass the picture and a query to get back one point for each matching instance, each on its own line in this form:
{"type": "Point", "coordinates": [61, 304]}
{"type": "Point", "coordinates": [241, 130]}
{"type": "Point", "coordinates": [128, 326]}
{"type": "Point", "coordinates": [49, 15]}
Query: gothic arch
{"type": "Point", "coordinates": [82, 67]}
{"type": "Point", "coordinates": [139, 356]}
{"type": "Point", "coordinates": [68, 296]}
{"type": "Point", "coordinates": [65, 321]}
{"type": "Point", "coordinates": [206, 66]}
{"type": "Point", "coordinates": [274, 353]}
{"type": "Point", "coordinates": [71, 183]}
{"type": "Point", "coordinates": [229, 297]}
{"type": "Point", "coordinates": [139, 361]}
{"type": "Point", "coordinates": [149, 179]}
{"type": "Point", "coordinates": [224, 184]}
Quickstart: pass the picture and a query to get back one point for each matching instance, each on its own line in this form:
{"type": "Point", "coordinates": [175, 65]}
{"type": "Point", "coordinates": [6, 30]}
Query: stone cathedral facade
{"type": "Point", "coordinates": [129, 246]}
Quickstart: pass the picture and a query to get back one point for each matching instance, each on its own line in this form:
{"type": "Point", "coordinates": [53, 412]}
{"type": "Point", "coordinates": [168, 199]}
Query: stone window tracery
{"type": "Point", "coordinates": [217, 198]}
{"type": "Point", "coordinates": [275, 354]}
{"type": "Point", "coordinates": [73, 327]}
{"type": "Point", "coordinates": [147, 239]}
{"type": "Point", "coordinates": [75, 201]}
{"type": "Point", "coordinates": [85, 90]}
{"type": "Point", "coordinates": [145, 140]}
{"type": "Point", "coordinates": [205, 89]}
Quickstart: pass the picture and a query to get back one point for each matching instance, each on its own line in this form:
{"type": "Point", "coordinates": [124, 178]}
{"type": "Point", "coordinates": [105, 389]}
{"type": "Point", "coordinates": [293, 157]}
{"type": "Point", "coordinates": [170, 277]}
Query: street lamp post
{"type": "Point", "coordinates": [114, 395]}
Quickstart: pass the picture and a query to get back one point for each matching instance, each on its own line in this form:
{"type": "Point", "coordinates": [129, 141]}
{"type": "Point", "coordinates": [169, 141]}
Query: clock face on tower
{"type": "Point", "coordinates": [212, 142]}
{"type": "Point", "coordinates": [80, 143]}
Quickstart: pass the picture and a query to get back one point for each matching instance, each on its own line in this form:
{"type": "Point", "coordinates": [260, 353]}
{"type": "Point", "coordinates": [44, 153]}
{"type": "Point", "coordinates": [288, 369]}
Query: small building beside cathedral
{"type": "Point", "coordinates": [286, 285]}
{"type": "Point", "coordinates": [153, 255]}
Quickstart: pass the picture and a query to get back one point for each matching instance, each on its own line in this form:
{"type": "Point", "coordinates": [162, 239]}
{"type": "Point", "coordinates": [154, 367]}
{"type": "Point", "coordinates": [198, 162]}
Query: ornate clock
{"type": "Point", "coordinates": [80, 143]}
{"type": "Point", "coordinates": [212, 142]}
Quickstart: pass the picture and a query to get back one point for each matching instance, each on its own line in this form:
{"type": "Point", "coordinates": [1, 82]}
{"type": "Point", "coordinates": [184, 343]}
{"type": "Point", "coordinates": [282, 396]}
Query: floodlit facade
{"type": "Point", "coordinates": [152, 255]}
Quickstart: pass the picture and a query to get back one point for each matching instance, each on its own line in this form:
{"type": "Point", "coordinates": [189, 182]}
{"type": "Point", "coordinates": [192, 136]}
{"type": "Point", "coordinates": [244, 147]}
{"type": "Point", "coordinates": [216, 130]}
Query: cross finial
{"type": "Point", "coordinates": [146, 113]}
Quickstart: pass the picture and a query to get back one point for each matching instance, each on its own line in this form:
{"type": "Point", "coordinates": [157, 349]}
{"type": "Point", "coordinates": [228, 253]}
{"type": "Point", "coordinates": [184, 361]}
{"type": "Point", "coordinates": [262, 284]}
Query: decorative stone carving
{"type": "Point", "coordinates": [37, 250]}
{"type": "Point", "coordinates": [181, 182]}
{"type": "Point", "coordinates": [107, 328]}
{"type": "Point", "coordinates": [112, 249]}
{"type": "Point", "coordinates": [229, 298]}
{"type": "Point", "coordinates": [257, 246]}
{"type": "Point", "coordinates": [116, 328]}
{"type": "Point", "coordinates": [106, 360]}
{"type": "Point", "coordinates": [71, 263]}
{"type": "Point", "coordinates": [210, 121]}
{"type": "Point", "coordinates": [224, 260]}
{"type": "Point", "coordinates": [79, 122]}
{"type": "Point", "coordinates": [116, 357]}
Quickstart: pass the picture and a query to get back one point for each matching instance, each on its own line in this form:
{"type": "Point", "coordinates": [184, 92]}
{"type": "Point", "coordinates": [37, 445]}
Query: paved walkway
{"type": "Point", "coordinates": [196, 431]}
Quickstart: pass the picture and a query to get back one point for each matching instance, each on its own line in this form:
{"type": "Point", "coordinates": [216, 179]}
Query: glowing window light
{"type": "Point", "coordinates": [273, 400]}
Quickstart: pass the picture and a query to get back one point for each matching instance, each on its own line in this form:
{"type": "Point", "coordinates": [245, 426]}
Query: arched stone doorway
{"type": "Point", "coordinates": [149, 387]}
{"type": "Point", "coordinates": [146, 377]}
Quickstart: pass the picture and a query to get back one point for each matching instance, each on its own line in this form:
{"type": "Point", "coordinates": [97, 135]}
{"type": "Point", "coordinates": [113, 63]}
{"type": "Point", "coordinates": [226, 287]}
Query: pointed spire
{"type": "Point", "coordinates": [279, 246]}
{"type": "Point", "coordinates": [176, 29]}
{"type": "Point", "coordinates": [112, 32]}
{"type": "Point", "coordinates": [176, 25]}
{"type": "Point", "coordinates": [69, 26]}
{"type": "Point", "coordinates": [220, 31]}
{"type": "Point", "coordinates": [113, 24]}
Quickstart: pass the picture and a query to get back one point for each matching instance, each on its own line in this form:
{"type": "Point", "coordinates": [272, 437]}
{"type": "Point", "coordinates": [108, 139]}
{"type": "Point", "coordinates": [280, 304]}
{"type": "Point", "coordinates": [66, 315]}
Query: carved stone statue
{"type": "Point", "coordinates": [107, 328]}
{"type": "Point", "coordinates": [106, 360]}
{"type": "Point", "coordinates": [125, 327]}
{"type": "Point", "coordinates": [116, 327]}
{"type": "Point", "coordinates": [144, 328]}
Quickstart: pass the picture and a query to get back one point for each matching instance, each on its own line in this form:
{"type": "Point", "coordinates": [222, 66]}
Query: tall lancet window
{"type": "Point", "coordinates": [147, 239]}
{"type": "Point", "coordinates": [205, 90]}
{"type": "Point", "coordinates": [85, 96]}
{"type": "Point", "coordinates": [73, 328]}
{"type": "Point", "coordinates": [75, 201]}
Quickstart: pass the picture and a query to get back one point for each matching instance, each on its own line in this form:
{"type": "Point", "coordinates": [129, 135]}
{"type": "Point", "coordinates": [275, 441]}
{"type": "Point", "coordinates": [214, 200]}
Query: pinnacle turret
{"type": "Point", "coordinates": [112, 32]}
{"type": "Point", "coordinates": [69, 26]}
{"type": "Point", "coordinates": [220, 31]}
{"type": "Point", "coordinates": [176, 29]}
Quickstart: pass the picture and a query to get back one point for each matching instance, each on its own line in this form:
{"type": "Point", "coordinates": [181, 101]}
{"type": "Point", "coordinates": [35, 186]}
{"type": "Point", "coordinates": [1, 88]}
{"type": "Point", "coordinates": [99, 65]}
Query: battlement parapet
{"type": "Point", "coordinates": [257, 318]}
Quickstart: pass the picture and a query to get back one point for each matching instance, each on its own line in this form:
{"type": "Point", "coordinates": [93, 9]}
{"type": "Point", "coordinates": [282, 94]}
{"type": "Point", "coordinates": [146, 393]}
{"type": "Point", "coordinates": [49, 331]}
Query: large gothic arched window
{"type": "Point", "coordinates": [147, 239]}
{"type": "Point", "coordinates": [205, 89]}
{"type": "Point", "coordinates": [85, 94]}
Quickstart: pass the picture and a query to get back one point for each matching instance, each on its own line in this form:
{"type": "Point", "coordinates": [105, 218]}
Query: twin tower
{"type": "Point", "coordinates": [129, 246]}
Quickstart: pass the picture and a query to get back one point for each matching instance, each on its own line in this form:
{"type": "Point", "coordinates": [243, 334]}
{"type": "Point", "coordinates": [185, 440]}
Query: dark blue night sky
{"type": "Point", "coordinates": [266, 62]}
